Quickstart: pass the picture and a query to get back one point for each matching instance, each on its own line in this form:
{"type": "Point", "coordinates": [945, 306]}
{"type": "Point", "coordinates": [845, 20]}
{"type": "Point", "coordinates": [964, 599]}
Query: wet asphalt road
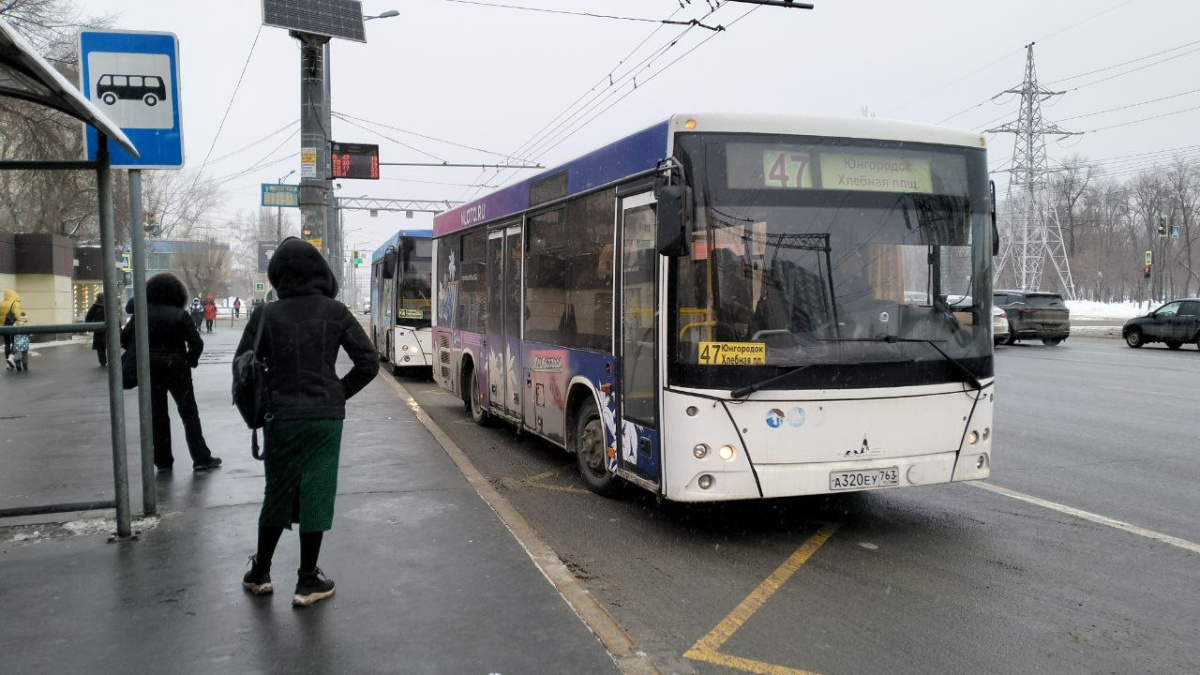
{"type": "Point", "coordinates": [943, 579]}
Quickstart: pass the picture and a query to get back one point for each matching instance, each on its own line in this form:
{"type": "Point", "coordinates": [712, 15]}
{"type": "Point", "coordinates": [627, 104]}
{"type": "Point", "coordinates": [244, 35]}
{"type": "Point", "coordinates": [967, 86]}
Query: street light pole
{"type": "Point", "coordinates": [279, 211]}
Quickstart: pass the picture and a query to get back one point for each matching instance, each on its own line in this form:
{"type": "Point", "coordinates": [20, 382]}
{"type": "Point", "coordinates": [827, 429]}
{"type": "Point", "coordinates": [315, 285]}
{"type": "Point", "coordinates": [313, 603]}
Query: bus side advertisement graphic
{"type": "Point", "coordinates": [733, 353]}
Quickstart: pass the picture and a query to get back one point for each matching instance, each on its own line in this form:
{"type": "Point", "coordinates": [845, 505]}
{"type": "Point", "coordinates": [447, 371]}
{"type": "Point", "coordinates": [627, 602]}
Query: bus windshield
{"type": "Point", "coordinates": [414, 304]}
{"type": "Point", "coordinates": [846, 257]}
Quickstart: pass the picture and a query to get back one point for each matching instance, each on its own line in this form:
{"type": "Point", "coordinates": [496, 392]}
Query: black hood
{"type": "Point", "coordinates": [299, 269]}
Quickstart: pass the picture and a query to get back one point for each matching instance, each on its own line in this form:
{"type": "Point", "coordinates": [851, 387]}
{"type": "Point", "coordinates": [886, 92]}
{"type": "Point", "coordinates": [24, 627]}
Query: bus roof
{"type": "Point", "coordinates": [643, 150]}
{"type": "Point", "coordinates": [392, 240]}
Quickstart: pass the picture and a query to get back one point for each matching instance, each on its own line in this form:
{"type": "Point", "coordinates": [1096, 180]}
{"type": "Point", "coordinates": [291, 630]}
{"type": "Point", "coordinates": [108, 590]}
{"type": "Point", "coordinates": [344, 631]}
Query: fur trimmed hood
{"type": "Point", "coordinates": [299, 269]}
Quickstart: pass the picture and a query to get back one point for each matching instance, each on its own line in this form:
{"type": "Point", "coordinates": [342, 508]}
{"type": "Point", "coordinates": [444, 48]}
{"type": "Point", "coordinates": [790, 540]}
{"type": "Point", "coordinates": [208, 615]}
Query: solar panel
{"type": "Point", "coordinates": [333, 18]}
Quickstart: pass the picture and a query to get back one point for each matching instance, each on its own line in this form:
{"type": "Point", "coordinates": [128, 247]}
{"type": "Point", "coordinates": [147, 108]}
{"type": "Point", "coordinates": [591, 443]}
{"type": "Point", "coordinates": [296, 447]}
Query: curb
{"type": "Point", "coordinates": [620, 646]}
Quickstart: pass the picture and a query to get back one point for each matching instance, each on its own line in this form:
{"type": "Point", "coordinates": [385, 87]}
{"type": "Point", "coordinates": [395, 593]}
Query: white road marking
{"type": "Point", "coordinates": [1093, 517]}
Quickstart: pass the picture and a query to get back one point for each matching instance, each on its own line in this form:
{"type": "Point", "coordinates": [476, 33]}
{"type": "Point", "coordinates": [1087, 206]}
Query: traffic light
{"type": "Point", "coordinates": [1162, 227]}
{"type": "Point", "coordinates": [1146, 272]}
{"type": "Point", "coordinates": [356, 259]}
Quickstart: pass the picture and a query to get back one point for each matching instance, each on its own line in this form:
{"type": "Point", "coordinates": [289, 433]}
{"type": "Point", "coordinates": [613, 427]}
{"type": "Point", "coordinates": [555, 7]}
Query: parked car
{"type": "Point", "coordinates": [1174, 323]}
{"type": "Point", "coordinates": [1034, 315]}
{"type": "Point", "coordinates": [999, 325]}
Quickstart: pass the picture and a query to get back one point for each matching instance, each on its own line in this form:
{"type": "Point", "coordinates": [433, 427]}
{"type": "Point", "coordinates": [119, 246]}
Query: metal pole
{"type": "Point", "coordinates": [141, 341]}
{"type": "Point", "coordinates": [112, 310]}
{"type": "Point", "coordinates": [313, 139]}
{"type": "Point", "coordinates": [332, 217]}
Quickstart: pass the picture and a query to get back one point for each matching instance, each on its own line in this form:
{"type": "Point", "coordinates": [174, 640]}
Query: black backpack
{"type": "Point", "coordinates": [249, 387]}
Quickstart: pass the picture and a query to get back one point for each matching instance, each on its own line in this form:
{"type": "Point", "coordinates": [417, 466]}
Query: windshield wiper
{"type": "Point", "coordinates": [965, 372]}
{"type": "Point", "coordinates": [743, 392]}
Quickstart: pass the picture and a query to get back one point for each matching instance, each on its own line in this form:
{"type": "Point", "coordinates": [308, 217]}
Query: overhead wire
{"type": "Point", "coordinates": [232, 97]}
{"type": "Point", "coordinates": [608, 77]}
{"type": "Point", "coordinates": [345, 116]}
{"type": "Point", "coordinates": [563, 130]}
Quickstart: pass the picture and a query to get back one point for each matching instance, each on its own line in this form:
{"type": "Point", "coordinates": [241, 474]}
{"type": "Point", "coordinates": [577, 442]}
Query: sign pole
{"type": "Point", "coordinates": [141, 338]}
{"type": "Point", "coordinates": [112, 309]}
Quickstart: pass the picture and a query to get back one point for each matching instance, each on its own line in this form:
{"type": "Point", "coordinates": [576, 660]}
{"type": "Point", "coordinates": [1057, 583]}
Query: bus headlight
{"type": "Point", "coordinates": [973, 437]}
{"type": "Point", "coordinates": [700, 451]}
{"type": "Point", "coordinates": [727, 453]}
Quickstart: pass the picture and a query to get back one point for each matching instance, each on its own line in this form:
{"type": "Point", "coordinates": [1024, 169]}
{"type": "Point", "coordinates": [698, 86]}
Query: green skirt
{"type": "Point", "coordinates": [301, 461]}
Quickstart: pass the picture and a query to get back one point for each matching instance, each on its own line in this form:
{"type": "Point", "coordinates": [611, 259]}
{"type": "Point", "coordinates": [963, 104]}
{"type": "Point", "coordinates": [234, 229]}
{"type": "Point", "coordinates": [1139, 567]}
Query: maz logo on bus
{"type": "Point", "coordinates": [473, 215]}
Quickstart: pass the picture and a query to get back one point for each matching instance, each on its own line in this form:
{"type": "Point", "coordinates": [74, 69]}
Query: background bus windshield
{"type": "Point", "coordinates": [845, 257]}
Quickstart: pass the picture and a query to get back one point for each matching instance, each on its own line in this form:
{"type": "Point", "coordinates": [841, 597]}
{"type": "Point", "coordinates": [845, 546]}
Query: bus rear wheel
{"type": "Point", "coordinates": [471, 399]}
{"type": "Point", "coordinates": [150, 100]}
{"type": "Point", "coordinates": [591, 454]}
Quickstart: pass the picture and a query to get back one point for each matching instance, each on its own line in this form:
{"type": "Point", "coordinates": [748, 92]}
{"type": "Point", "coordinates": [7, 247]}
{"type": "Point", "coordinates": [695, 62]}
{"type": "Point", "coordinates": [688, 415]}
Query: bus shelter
{"type": "Point", "coordinates": [26, 75]}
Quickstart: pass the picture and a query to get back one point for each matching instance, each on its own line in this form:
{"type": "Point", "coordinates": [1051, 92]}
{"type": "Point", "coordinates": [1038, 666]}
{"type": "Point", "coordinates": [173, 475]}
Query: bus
{"type": "Point", "coordinates": [401, 301]}
{"type": "Point", "coordinates": [726, 307]}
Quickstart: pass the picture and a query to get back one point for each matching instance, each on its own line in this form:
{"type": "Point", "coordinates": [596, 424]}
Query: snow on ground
{"type": "Point", "coordinates": [1103, 310]}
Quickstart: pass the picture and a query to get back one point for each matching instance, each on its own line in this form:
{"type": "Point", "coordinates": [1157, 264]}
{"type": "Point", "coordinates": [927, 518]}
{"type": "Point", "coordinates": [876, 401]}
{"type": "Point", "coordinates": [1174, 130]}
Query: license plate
{"type": "Point", "coordinates": [864, 480]}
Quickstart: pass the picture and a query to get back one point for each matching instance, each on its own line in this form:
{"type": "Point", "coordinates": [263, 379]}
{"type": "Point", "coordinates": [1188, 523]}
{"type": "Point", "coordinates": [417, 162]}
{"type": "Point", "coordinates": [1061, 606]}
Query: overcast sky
{"type": "Point", "coordinates": [493, 78]}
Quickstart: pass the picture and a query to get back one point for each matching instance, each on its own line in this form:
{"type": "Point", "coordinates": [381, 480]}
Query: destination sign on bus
{"type": "Point", "coordinates": [805, 167]}
{"type": "Point", "coordinates": [732, 353]}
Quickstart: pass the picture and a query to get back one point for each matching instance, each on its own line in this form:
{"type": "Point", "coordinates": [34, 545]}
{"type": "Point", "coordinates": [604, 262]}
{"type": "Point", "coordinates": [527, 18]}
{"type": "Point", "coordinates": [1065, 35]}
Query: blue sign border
{"type": "Point", "coordinates": [266, 187]}
{"type": "Point", "coordinates": [158, 148]}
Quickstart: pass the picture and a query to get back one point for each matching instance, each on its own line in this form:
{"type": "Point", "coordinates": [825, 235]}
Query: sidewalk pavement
{"type": "Point", "coordinates": [428, 578]}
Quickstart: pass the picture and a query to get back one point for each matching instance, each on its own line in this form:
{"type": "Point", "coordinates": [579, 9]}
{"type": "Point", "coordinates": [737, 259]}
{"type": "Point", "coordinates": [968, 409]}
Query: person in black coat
{"type": "Point", "coordinates": [175, 348]}
{"type": "Point", "coordinates": [304, 331]}
{"type": "Point", "coordinates": [99, 337]}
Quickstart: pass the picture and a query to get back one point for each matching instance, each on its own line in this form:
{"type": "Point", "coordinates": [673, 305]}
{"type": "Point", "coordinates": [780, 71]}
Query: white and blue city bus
{"type": "Point", "coordinates": [401, 302]}
{"type": "Point", "coordinates": [734, 307]}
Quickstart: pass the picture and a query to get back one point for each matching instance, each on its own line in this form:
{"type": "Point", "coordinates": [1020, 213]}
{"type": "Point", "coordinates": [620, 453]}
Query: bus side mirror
{"type": "Point", "coordinates": [389, 263]}
{"type": "Point", "coordinates": [995, 228]}
{"type": "Point", "coordinates": [674, 205]}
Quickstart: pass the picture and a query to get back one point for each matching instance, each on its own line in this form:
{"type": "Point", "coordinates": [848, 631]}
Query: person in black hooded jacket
{"type": "Point", "coordinates": [175, 348]}
{"type": "Point", "coordinates": [306, 404]}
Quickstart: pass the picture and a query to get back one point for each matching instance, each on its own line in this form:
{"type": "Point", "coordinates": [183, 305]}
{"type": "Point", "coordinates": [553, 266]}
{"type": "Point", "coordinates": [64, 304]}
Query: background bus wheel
{"type": "Point", "coordinates": [1174, 344]}
{"type": "Point", "coordinates": [150, 100]}
{"type": "Point", "coordinates": [590, 450]}
{"type": "Point", "coordinates": [471, 398]}
{"type": "Point", "coordinates": [1133, 338]}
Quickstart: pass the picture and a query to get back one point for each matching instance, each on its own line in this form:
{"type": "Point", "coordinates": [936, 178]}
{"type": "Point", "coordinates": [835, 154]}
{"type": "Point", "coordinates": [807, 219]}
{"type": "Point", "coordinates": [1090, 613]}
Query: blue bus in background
{"type": "Point", "coordinates": [401, 300]}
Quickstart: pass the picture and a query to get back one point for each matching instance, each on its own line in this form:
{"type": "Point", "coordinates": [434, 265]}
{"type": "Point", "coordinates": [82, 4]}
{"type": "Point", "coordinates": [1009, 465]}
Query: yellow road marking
{"type": "Point", "coordinates": [708, 648]}
{"type": "Point", "coordinates": [1150, 393]}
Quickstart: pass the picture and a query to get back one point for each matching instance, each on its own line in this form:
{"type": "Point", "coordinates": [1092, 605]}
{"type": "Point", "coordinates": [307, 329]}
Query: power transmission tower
{"type": "Point", "coordinates": [1033, 229]}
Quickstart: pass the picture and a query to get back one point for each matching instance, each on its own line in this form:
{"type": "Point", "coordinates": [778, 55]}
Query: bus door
{"type": "Point", "coordinates": [637, 338]}
{"type": "Point", "coordinates": [504, 320]}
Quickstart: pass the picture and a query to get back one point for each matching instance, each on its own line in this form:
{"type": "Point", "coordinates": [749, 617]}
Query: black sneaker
{"type": "Point", "coordinates": [256, 581]}
{"type": "Point", "coordinates": [311, 588]}
{"type": "Point", "coordinates": [210, 463]}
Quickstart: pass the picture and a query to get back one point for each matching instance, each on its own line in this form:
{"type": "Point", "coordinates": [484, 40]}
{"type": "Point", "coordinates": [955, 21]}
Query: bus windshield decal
{"type": "Point", "coordinates": [732, 353]}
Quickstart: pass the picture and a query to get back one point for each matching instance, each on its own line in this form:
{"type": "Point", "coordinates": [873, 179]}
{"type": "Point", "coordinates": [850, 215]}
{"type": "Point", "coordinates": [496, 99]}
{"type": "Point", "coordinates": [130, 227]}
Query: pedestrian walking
{"type": "Point", "coordinates": [10, 310]}
{"type": "Point", "coordinates": [237, 308]}
{"type": "Point", "coordinates": [175, 348]}
{"type": "Point", "coordinates": [210, 313]}
{"type": "Point", "coordinates": [99, 337]}
{"type": "Point", "coordinates": [306, 404]}
{"type": "Point", "coordinates": [20, 355]}
{"type": "Point", "coordinates": [197, 311]}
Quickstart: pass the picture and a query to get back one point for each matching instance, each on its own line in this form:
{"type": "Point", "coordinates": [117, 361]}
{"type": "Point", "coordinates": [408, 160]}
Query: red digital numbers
{"type": "Point", "coordinates": [354, 160]}
{"type": "Point", "coordinates": [375, 166]}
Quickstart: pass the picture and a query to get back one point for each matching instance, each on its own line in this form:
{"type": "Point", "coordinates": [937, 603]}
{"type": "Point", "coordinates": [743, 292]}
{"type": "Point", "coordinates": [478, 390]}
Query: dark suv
{"type": "Point", "coordinates": [1034, 315]}
{"type": "Point", "coordinates": [1174, 323]}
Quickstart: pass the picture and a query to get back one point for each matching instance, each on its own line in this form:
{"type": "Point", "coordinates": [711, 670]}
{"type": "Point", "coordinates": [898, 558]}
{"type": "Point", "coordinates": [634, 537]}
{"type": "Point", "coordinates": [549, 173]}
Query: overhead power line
{"type": "Point", "coordinates": [345, 116]}
{"type": "Point", "coordinates": [1131, 105]}
{"type": "Point", "coordinates": [232, 97]}
{"type": "Point", "coordinates": [1123, 63]}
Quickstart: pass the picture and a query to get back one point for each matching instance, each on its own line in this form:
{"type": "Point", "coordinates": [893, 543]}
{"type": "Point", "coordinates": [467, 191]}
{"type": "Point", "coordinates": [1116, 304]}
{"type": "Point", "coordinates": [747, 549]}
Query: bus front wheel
{"type": "Point", "coordinates": [590, 452]}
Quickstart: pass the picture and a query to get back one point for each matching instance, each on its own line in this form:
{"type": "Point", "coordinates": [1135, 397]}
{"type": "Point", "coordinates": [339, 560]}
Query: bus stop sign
{"type": "Point", "coordinates": [133, 77]}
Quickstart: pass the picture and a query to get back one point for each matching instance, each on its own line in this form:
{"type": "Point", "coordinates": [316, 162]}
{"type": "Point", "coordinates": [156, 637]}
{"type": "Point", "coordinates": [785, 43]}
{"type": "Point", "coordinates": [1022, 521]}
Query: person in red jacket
{"type": "Point", "coordinates": [210, 313]}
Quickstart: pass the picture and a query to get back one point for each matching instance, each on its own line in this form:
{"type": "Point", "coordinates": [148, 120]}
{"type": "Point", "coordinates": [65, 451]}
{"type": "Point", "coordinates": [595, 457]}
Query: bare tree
{"type": "Point", "coordinates": [205, 266]}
